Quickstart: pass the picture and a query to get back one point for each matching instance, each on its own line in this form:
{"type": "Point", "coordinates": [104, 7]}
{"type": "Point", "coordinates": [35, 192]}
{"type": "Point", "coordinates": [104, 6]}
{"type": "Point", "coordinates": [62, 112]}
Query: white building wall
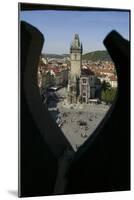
{"type": "Point", "coordinates": [113, 84]}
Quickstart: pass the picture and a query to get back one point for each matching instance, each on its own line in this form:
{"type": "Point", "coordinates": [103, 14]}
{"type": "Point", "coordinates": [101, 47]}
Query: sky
{"type": "Point", "coordinates": [59, 27]}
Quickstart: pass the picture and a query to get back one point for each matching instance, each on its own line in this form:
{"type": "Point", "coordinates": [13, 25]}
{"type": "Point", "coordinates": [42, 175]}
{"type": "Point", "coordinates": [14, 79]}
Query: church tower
{"type": "Point", "coordinates": [75, 71]}
{"type": "Point", "coordinates": [75, 56]}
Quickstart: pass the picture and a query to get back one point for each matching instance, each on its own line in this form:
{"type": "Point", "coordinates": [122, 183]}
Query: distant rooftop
{"type": "Point", "coordinates": [87, 72]}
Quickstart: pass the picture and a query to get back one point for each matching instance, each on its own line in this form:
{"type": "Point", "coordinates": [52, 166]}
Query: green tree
{"type": "Point", "coordinates": [105, 85]}
{"type": "Point", "coordinates": [103, 95]}
{"type": "Point", "coordinates": [108, 95]}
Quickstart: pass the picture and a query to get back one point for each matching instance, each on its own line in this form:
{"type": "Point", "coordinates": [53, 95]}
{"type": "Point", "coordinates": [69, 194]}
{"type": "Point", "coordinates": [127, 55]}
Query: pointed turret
{"type": "Point", "coordinates": [81, 48]}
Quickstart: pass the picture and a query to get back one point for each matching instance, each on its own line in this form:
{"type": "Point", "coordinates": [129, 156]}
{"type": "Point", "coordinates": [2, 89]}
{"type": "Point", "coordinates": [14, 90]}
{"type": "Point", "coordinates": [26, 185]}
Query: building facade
{"type": "Point", "coordinates": [84, 89]}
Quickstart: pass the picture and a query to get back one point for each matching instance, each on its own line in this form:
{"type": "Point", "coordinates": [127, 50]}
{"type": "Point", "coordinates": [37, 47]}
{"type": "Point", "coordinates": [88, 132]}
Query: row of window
{"type": "Point", "coordinates": [85, 80]}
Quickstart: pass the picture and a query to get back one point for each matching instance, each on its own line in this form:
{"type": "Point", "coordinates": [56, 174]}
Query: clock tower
{"type": "Point", "coordinates": [75, 57]}
{"type": "Point", "coordinates": [75, 71]}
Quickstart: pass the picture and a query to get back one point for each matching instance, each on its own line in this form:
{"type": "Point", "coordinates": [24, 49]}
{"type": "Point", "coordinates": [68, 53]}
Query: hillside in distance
{"type": "Point", "coordinates": [97, 56]}
{"type": "Point", "coordinates": [57, 56]}
{"type": "Point", "coordinates": [92, 56]}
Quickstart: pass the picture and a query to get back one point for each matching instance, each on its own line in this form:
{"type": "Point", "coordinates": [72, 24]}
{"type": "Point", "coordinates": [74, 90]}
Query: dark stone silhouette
{"type": "Point", "coordinates": [41, 141]}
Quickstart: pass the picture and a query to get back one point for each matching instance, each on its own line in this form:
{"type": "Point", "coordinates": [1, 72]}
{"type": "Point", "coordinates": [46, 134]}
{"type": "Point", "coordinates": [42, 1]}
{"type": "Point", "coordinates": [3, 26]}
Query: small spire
{"type": "Point", "coordinates": [81, 47]}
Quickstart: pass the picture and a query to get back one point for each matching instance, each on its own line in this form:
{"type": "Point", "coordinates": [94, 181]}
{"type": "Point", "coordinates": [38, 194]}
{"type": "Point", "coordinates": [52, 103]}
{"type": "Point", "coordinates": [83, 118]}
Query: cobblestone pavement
{"type": "Point", "coordinates": [79, 120]}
